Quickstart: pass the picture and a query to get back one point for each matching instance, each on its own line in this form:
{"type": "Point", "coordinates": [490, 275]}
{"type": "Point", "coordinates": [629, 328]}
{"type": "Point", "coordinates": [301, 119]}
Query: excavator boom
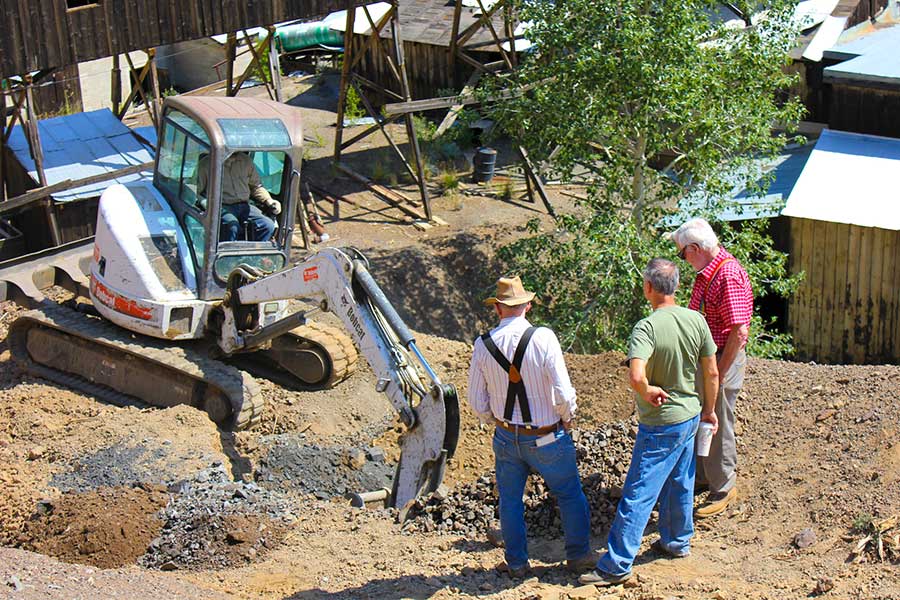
{"type": "Point", "coordinates": [340, 281]}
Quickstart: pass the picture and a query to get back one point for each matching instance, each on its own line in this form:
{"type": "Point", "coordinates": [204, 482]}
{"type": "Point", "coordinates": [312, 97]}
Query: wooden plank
{"type": "Point", "coordinates": [853, 261]}
{"type": "Point", "coordinates": [381, 191]}
{"type": "Point", "coordinates": [827, 292]}
{"type": "Point", "coordinates": [43, 192]}
{"type": "Point", "coordinates": [454, 111]}
{"type": "Point", "coordinates": [895, 297]}
{"type": "Point", "coordinates": [891, 293]}
{"type": "Point", "coordinates": [817, 276]}
{"type": "Point", "coordinates": [873, 341]}
{"type": "Point", "coordinates": [863, 320]}
{"type": "Point", "coordinates": [840, 267]}
{"type": "Point", "coordinates": [808, 308]}
{"type": "Point", "coordinates": [796, 309]}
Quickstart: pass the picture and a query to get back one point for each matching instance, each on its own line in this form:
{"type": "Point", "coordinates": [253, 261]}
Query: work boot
{"type": "Point", "coordinates": [716, 503]}
{"type": "Point", "coordinates": [515, 573]}
{"type": "Point", "coordinates": [662, 550]}
{"type": "Point", "coordinates": [585, 563]}
{"type": "Point", "coordinates": [601, 579]}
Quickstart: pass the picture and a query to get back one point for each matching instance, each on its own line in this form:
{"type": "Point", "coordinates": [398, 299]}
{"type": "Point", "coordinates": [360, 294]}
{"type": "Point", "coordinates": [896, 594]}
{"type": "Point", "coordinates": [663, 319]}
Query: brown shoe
{"type": "Point", "coordinates": [583, 564]}
{"type": "Point", "coordinates": [716, 504]}
{"type": "Point", "coordinates": [515, 573]}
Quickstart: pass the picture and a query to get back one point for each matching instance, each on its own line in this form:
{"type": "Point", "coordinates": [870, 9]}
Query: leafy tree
{"type": "Point", "coordinates": [645, 100]}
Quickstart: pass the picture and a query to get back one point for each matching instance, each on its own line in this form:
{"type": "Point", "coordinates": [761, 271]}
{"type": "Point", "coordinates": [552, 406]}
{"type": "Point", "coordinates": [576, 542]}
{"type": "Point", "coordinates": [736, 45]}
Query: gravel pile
{"type": "Point", "coordinates": [214, 522]}
{"type": "Point", "coordinates": [472, 509]}
{"type": "Point", "coordinates": [118, 465]}
{"type": "Point", "coordinates": [290, 463]}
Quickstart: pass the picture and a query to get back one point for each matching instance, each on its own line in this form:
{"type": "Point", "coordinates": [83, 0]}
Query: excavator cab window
{"type": "Point", "coordinates": [178, 177]}
{"type": "Point", "coordinates": [183, 147]}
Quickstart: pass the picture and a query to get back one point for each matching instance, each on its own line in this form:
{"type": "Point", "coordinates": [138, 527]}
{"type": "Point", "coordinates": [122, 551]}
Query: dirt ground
{"type": "Point", "coordinates": [88, 490]}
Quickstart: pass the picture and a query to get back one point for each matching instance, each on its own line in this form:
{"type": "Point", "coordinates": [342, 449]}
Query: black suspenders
{"type": "Point", "coordinates": [516, 388]}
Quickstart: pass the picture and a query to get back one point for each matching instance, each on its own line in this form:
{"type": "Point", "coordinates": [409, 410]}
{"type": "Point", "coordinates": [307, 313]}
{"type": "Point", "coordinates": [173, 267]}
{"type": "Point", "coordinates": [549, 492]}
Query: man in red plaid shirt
{"type": "Point", "coordinates": [723, 294]}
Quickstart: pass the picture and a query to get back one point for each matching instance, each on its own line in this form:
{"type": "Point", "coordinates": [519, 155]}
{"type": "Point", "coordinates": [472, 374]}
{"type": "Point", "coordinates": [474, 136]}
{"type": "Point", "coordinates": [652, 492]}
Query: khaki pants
{"type": "Point", "coordinates": [718, 468]}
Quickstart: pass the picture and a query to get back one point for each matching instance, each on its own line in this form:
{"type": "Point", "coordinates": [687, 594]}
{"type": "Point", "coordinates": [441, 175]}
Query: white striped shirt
{"type": "Point", "coordinates": [550, 392]}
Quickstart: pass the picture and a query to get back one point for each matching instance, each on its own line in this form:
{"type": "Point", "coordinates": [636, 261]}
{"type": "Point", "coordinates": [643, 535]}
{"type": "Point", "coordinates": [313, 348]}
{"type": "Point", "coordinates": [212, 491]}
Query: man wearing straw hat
{"type": "Point", "coordinates": [518, 383]}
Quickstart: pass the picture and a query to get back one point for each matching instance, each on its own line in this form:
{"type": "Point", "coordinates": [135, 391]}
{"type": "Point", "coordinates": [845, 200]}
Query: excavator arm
{"type": "Point", "coordinates": [339, 280]}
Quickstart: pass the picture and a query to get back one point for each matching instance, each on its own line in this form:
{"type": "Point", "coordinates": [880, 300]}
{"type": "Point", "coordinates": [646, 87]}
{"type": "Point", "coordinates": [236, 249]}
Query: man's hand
{"type": "Point", "coordinates": [568, 425]}
{"type": "Point", "coordinates": [274, 206]}
{"type": "Point", "coordinates": [655, 396]}
{"type": "Point", "coordinates": [710, 418]}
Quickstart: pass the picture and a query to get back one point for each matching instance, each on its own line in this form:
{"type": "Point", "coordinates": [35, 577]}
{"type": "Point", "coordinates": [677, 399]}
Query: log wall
{"type": "Point", "coordinates": [865, 110]}
{"type": "Point", "coordinates": [41, 34]}
{"type": "Point", "coordinates": [847, 309]}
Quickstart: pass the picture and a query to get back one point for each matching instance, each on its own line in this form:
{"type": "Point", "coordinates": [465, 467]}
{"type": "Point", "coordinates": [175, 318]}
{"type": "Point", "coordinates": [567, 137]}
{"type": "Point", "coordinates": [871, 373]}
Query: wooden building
{"type": "Point", "coordinates": [848, 308]}
{"type": "Point", "coordinates": [810, 58]}
{"type": "Point", "coordinates": [844, 234]}
{"type": "Point", "coordinates": [865, 83]}
{"type": "Point", "coordinates": [41, 34]}
{"type": "Point", "coordinates": [427, 31]}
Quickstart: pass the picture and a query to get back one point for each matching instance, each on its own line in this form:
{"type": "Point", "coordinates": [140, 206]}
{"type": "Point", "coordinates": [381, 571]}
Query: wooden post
{"type": "Point", "coordinates": [230, 56]}
{"type": "Point", "coordinates": [2, 142]}
{"type": "Point", "coordinates": [451, 54]}
{"type": "Point", "coordinates": [115, 91]}
{"type": "Point", "coordinates": [404, 90]}
{"type": "Point", "coordinates": [154, 82]}
{"type": "Point", "coordinates": [34, 141]}
{"type": "Point", "coordinates": [345, 78]}
{"type": "Point", "coordinates": [538, 184]}
{"type": "Point", "coordinates": [274, 64]}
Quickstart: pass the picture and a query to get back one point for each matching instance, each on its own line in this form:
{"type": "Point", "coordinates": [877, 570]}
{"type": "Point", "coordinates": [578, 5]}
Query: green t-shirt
{"type": "Point", "coordinates": [672, 340]}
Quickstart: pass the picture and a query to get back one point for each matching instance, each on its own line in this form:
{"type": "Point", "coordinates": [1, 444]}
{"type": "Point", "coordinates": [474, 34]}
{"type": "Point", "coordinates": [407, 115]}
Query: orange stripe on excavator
{"type": "Point", "coordinates": [119, 303]}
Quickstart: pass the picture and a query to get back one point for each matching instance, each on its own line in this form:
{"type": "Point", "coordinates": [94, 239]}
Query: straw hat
{"type": "Point", "coordinates": [510, 292]}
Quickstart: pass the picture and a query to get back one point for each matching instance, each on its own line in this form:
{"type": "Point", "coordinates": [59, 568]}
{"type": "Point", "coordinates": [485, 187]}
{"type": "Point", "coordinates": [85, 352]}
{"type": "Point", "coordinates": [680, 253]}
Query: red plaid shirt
{"type": "Point", "coordinates": [727, 299]}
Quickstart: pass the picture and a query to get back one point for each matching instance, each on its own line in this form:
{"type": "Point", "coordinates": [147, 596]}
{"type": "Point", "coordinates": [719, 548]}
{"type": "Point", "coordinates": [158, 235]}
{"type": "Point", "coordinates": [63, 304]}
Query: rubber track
{"type": "Point", "coordinates": [336, 344]}
{"type": "Point", "coordinates": [239, 387]}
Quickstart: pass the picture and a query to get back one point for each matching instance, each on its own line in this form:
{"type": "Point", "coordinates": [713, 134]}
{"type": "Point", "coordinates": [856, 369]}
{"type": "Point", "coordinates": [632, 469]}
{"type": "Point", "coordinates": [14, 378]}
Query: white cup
{"type": "Point", "coordinates": [704, 438]}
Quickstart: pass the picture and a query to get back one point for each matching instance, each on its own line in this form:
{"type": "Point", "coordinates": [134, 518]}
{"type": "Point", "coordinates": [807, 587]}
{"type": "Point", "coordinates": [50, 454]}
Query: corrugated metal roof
{"type": "Point", "coordinates": [81, 145]}
{"type": "Point", "coordinates": [873, 58]}
{"type": "Point", "coordinates": [743, 203]}
{"type": "Point", "coordinates": [849, 178]}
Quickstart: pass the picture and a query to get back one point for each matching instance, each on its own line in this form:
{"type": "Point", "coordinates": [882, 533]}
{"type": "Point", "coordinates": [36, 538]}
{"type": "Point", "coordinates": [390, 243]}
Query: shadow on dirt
{"type": "Point", "coordinates": [468, 582]}
{"type": "Point", "coordinates": [440, 290]}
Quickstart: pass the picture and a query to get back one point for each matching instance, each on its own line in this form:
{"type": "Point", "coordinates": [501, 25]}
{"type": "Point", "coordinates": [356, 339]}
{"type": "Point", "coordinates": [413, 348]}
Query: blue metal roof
{"type": "Point", "coordinates": [81, 145]}
{"type": "Point", "coordinates": [849, 179]}
{"type": "Point", "coordinates": [873, 58]}
{"type": "Point", "coordinates": [743, 203]}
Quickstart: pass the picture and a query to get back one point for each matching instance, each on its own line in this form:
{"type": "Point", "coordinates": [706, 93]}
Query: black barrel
{"type": "Point", "coordinates": [484, 161]}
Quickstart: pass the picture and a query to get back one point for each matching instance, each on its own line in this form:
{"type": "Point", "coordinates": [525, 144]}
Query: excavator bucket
{"type": "Point", "coordinates": [426, 447]}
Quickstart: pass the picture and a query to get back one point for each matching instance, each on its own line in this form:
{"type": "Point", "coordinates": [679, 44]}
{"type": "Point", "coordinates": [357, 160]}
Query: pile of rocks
{"type": "Point", "coordinates": [213, 522]}
{"type": "Point", "coordinates": [290, 463]}
{"type": "Point", "coordinates": [471, 509]}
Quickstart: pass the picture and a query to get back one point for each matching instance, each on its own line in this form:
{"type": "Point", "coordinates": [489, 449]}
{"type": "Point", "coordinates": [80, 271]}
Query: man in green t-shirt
{"type": "Point", "coordinates": [663, 354]}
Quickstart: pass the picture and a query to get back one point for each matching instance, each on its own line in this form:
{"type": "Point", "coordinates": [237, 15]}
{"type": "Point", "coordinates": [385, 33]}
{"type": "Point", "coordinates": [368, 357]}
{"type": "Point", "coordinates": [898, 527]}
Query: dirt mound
{"type": "Point", "coordinates": [108, 527]}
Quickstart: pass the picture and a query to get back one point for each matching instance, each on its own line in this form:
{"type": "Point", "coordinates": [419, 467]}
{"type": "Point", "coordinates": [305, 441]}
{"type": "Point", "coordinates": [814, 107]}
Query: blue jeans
{"type": "Point", "coordinates": [515, 457]}
{"type": "Point", "coordinates": [662, 468]}
{"type": "Point", "coordinates": [262, 228]}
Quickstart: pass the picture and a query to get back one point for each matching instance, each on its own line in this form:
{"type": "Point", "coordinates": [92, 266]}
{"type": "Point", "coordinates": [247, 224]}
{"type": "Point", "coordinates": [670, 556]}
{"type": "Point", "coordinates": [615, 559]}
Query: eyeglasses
{"type": "Point", "coordinates": [683, 251]}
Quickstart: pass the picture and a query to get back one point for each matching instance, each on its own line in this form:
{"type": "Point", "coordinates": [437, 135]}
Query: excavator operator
{"type": "Point", "coordinates": [242, 195]}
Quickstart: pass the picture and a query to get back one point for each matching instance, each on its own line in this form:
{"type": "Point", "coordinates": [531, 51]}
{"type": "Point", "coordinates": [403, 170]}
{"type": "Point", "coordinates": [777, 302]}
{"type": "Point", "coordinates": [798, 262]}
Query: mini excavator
{"type": "Point", "coordinates": [178, 316]}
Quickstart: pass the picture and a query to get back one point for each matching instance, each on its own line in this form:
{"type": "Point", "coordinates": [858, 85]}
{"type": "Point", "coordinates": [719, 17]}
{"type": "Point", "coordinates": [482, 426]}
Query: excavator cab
{"type": "Point", "coordinates": [197, 137]}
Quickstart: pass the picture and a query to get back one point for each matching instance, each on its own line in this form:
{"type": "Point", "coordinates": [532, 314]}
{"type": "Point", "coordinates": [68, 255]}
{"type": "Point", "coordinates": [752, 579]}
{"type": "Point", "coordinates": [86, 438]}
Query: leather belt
{"type": "Point", "coordinates": [527, 429]}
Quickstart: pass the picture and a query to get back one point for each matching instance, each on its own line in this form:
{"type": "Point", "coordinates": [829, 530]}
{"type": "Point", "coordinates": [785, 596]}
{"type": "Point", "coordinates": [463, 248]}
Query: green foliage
{"type": "Point", "coordinates": [448, 181]}
{"type": "Point", "coordinates": [169, 91]}
{"type": "Point", "coordinates": [864, 523]}
{"type": "Point", "coordinates": [353, 109]}
{"type": "Point", "coordinates": [652, 99]}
